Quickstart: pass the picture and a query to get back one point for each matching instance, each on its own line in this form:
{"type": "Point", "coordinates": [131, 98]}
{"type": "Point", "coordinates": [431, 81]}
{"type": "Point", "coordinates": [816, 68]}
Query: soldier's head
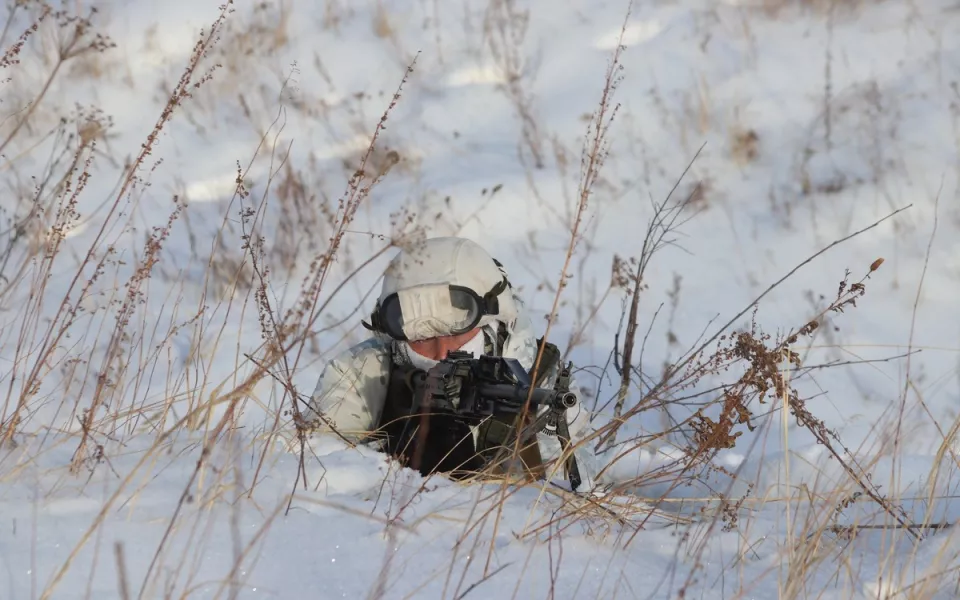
{"type": "Point", "coordinates": [438, 295]}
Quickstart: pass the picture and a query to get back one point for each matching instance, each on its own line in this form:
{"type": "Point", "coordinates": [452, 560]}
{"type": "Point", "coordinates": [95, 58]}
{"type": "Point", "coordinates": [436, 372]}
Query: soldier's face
{"type": "Point", "coordinates": [436, 348]}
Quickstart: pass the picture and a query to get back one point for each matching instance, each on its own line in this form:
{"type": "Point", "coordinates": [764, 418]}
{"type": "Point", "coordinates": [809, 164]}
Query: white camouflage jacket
{"type": "Point", "coordinates": [352, 390]}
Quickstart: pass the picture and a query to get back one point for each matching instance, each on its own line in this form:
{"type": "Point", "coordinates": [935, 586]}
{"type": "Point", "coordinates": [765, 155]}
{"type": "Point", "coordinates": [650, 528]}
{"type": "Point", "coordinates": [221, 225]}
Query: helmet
{"type": "Point", "coordinates": [442, 286]}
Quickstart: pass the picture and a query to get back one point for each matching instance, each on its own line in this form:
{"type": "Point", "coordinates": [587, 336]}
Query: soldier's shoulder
{"type": "Point", "coordinates": [371, 348]}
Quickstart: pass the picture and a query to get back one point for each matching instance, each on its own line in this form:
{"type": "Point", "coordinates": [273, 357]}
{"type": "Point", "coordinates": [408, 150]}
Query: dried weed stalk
{"type": "Point", "coordinates": [505, 27]}
{"type": "Point", "coordinates": [93, 264]}
{"type": "Point", "coordinates": [595, 150]}
{"type": "Point", "coordinates": [762, 361]}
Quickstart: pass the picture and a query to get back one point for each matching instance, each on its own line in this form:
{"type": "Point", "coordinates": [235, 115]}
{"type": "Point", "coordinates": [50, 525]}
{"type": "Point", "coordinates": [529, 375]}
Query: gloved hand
{"type": "Point", "coordinates": [442, 387]}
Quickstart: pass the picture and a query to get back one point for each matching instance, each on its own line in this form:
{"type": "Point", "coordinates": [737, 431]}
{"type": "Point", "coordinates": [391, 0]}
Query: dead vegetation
{"type": "Point", "coordinates": [90, 350]}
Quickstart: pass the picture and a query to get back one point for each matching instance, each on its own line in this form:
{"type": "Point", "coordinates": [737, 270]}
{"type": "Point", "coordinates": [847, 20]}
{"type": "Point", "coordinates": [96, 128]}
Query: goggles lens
{"type": "Point", "coordinates": [449, 311]}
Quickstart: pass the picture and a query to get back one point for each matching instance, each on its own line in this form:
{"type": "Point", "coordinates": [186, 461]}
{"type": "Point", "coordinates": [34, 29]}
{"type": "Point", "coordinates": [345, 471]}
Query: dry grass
{"type": "Point", "coordinates": [85, 354]}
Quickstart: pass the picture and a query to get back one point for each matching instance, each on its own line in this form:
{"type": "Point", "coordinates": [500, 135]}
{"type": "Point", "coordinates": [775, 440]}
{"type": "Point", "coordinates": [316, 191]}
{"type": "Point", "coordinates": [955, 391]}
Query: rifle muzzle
{"type": "Point", "coordinates": [568, 400]}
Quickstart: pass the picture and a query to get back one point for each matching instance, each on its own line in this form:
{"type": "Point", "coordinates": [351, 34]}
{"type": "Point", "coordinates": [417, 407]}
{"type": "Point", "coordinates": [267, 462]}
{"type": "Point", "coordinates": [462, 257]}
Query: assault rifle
{"type": "Point", "coordinates": [474, 389]}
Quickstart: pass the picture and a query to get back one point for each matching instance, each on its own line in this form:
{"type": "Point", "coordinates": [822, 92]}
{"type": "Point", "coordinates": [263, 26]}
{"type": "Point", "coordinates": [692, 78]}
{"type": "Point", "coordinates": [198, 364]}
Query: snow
{"type": "Point", "coordinates": [695, 74]}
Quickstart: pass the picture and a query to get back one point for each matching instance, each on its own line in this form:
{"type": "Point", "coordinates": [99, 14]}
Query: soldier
{"type": "Point", "coordinates": [441, 295]}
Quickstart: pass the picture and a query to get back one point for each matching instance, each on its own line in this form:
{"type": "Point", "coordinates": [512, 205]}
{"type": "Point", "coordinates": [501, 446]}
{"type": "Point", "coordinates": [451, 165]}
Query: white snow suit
{"type": "Point", "coordinates": [352, 388]}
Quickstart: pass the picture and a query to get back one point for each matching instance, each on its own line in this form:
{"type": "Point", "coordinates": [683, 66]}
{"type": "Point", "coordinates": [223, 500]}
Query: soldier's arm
{"type": "Point", "coordinates": [351, 390]}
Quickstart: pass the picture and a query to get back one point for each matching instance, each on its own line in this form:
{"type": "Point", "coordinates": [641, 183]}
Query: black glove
{"type": "Point", "coordinates": [442, 387]}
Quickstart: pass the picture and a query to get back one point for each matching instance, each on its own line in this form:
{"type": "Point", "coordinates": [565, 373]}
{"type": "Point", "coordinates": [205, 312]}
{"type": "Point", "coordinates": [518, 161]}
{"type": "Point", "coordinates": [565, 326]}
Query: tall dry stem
{"type": "Point", "coordinates": [594, 153]}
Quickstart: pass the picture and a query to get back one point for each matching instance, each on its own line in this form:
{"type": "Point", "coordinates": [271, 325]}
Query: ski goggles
{"type": "Point", "coordinates": [429, 311]}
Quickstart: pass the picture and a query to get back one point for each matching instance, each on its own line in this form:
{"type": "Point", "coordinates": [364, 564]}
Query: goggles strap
{"type": "Point", "coordinates": [491, 304]}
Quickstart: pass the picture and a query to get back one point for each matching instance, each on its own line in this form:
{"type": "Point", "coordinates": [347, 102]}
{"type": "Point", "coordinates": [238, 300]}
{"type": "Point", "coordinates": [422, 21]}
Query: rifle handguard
{"type": "Point", "coordinates": [515, 394]}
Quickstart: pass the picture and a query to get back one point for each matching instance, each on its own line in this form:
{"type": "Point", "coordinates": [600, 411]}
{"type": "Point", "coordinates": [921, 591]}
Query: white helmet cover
{"type": "Point", "coordinates": [420, 276]}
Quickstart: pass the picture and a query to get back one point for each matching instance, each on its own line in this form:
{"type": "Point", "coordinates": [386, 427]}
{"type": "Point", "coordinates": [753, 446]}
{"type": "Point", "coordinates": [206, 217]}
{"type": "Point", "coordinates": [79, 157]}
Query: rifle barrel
{"type": "Point", "coordinates": [518, 394]}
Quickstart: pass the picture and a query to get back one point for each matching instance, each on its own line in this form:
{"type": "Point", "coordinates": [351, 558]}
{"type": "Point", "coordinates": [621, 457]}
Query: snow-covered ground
{"type": "Point", "coordinates": [814, 123]}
